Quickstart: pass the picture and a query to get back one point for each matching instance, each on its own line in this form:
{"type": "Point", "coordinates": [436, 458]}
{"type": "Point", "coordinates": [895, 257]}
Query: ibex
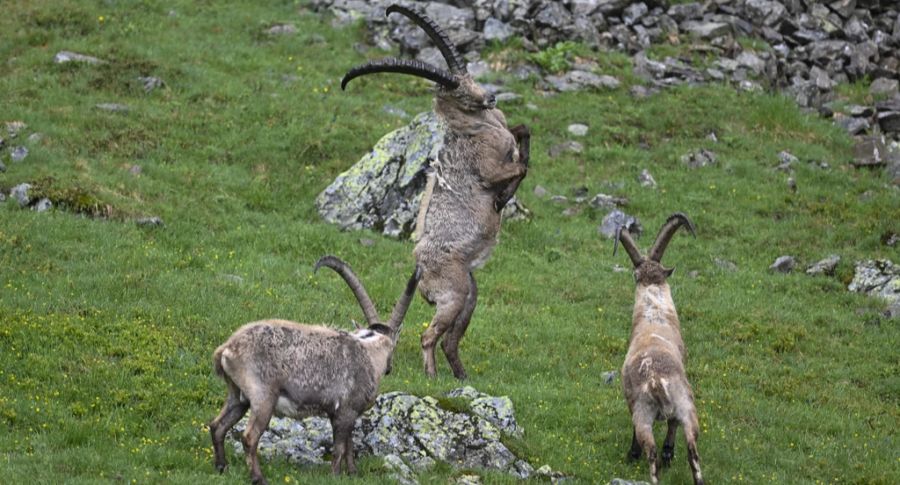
{"type": "Point", "coordinates": [290, 369]}
{"type": "Point", "coordinates": [478, 170]}
{"type": "Point", "coordinates": [653, 375]}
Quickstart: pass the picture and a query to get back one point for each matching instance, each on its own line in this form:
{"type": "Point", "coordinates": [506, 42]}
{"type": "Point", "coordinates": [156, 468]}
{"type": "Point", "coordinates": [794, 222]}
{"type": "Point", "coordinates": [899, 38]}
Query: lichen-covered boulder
{"type": "Point", "coordinates": [382, 191]}
{"type": "Point", "coordinates": [879, 277]}
{"type": "Point", "coordinates": [409, 432]}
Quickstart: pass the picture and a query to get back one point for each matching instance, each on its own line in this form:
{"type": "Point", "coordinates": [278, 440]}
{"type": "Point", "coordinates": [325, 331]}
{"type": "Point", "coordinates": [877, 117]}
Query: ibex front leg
{"type": "Point", "coordinates": [523, 140]}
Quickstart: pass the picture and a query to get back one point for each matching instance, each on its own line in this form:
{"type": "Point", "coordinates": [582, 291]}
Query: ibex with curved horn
{"type": "Point", "coordinates": [653, 376]}
{"type": "Point", "coordinates": [278, 367]}
{"type": "Point", "coordinates": [477, 172]}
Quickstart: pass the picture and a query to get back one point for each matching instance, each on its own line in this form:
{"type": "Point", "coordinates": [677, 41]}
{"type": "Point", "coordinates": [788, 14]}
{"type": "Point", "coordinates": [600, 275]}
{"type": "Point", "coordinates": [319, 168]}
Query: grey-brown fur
{"type": "Point", "coordinates": [478, 170]}
{"type": "Point", "coordinates": [653, 375]}
{"type": "Point", "coordinates": [283, 368]}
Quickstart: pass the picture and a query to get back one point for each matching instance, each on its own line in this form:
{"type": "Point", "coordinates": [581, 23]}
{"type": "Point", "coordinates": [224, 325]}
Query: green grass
{"type": "Point", "coordinates": [107, 328]}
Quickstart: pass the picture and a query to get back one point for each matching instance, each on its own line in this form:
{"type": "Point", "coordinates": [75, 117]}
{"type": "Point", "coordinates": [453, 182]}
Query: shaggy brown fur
{"type": "Point", "coordinates": [282, 368]}
{"type": "Point", "coordinates": [478, 170]}
{"type": "Point", "coordinates": [653, 375]}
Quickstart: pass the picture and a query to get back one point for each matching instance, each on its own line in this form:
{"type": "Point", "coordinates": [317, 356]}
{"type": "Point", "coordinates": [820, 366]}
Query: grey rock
{"type": "Point", "coordinates": [366, 242]}
{"type": "Point", "coordinates": [685, 11]}
{"type": "Point", "coordinates": [114, 107]}
{"type": "Point", "coordinates": [884, 86]}
{"type": "Point", "coordinates": [646, 179]}
{"type": "Point", "coordinates": [577, 80]}
{"type": "Point", "coordinates": [150, 83]}
{"type": "Point", "coordinates": [725, 264]}
{"type": "Point", "coordinates": [415, 430]}
{"type": "Point", "coordinates": [382, 191]}
{"type": "Point", "coordinates": [609, 377]}
{"type": "Point", "coordinates": [889, 121]}
{"type": "Point", "coordinates": [615, 219]}
{"type": "Point", "coordinates": [820, 78]}
{"type": "Point", "coordinates": [149, 221]}
{"type": "Point", "coordinates": [825, 266]}
{"type": "Point", "coordinates": [32, 138]}
{"type": "Point", "coordinates": [514, 210]}
{"type": "Point", "coordinates": [42, 205]}
{"type": "Point", "coordinates": [282, 29]}
{"type": "Point", "coordinates": [495, 29]}
{"type": "Point", "coordinates": [540, 191]}
{"type": "Point", "coordinates": [583, 7]}
{"type": "Point", "coordinates": [399, 470]}
{"type": "Point", "coordinates": [18, 153]}
{"type": "Point", "coordinates": [786, 161]}
{"type": "Point", "coordinates": [468, 479]}
{"type": "Point", "coordinates": [603, 201]}
{"type": "Point", "coordinates": [870, 151]}
{"type": "Point", "coordinates": [135, 170]}
{"type": "Point", "coordinates": [706, 30]}
{"type": "Point", "coordinates": [860, 111]}
{"type": "Point", "coordinates": [752, 62]}
{"type": "Point", "coordinates": [497, 410]}
{"type": "Point", "coordinates": [621, 481]}
{"type": "Point", "coordinates": [853, 126]}
{"type": "Point", "coordinates": [700, 158]}
{"type": "Point", "coordinates": [20, 194]}
{"type": "Point", "coordinates": [634, 12]}
{"type": "Point", "coordinates": [578, 129]}
{"type": "Point", "coordinates": [13, 128]}
{"type": "Point", "coordinates": [63, 57]}
{"type": "Point", "coordinates": [559, 199]}
{"type": "Point", "coordinates": [792, 184]}
{"type": "Point", "coordinates": [478, 69]}
{"type": "Point", "coordinates": [565, 147]}
{"type": "Point", "coordinates": [612, 7]}
{"type": "Point", "coordinates": [232, 278]}
{"type": "Point", "coordinates": [878, 278]}
{"type": "Point", "coordinates": [783, 264]}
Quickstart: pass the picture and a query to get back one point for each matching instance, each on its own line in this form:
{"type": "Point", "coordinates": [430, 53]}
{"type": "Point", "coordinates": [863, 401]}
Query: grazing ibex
{"type": "Point", "coordinates": [653, 376]}
{"type": "Point", "coordinates": [478, 170]}
{"type": "Point", "coordinates": [290, 369]}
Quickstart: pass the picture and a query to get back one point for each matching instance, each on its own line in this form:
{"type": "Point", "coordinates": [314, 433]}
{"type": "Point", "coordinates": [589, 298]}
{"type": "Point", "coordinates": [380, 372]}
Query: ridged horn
{"type": "Point", "coordinates": [402, 66]}
{"type": "Point", "coordinates": [353, 282]}
{"type": "Point", "coordinates": [668, 229]}
{"type": "Point", "coordinates": [402, 304]}
{"type": "Point", "coordinates": [440, 39]}
{"type": "Point", "coordinates": [634, 253]}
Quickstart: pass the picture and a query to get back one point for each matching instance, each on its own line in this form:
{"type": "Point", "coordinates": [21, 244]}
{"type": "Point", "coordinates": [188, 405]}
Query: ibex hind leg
{"type": "Point", "coordinates": [668, 451]}
{"type": "Point", "coordinates": [691, 431]}
{"type": "Point", "coordinates": [232, 412]}
{"type": "Point", "coordinates": [450, 343]}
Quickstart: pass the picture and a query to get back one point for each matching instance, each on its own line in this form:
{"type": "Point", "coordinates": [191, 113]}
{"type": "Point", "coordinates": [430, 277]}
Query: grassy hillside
{"type": "Point", "coordinates": [107, 327]}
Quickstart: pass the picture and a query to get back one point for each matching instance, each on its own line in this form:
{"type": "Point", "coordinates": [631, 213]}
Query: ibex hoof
{"type": "Point", "coordinates": [666, 457]}
{"type": "Point", "coordinates": [221, 467]}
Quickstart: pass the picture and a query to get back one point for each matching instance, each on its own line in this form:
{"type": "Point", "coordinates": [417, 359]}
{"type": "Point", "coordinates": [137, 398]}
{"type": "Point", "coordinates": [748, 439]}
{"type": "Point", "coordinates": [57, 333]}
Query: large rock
{"type": "Point", "coordinates": [879, 277]}
{"type": "Point", "coordinates": [411, 432]}
{"type": "Point", "coordinates": [382, 191]}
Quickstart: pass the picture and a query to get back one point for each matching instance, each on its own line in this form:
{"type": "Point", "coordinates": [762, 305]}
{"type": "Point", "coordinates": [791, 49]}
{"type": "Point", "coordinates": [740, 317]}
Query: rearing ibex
{"type": "Point", "coordinates": [478, 170]}
{"type": "Point", "coordinates": [653, 376]}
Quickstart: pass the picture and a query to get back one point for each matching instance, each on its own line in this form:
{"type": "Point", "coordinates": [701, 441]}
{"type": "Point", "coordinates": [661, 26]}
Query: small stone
{"type": "Point", "coordinates": [63, 57]}
{"type": "Point", "coordinates": [884, 86]}
{"type": "Point", "coordinates": [282, 29]}
{"type": "Point", "coordinates": [150, 83]}
{"type": "Point", "coordinates": [712, 137]}
{"type": "Point", "coordinates": [497, 30]}
{"type": "Point", "coordinates": [854, 126]}
{"type": "Point", "coordinates": [825, 266]}
{"type": "Point", "coordinates": [578, 129]}
{"type": "Point", "coordinates": [34, 138]}
{"type": "Point", "coordinates": [540, 191]}
{"type": "Point", "coordinates": [620, 481]}
{"type": "Point", "coordinates": [615, 219]}
{"type": "Point", "coordinates": [149, 221]}
{"type": "Point", "coordinates": [565, 147]}
{"type": "Point", "coordinates": [700, 158]}
{"type": "Point", "coordinates": [646, 179]}
{"type": "Point", "coordinates": [366, 242]}
{"type": "Point", "coordinates": [135, 170]}
{"type": "Point", "coordinates": [478, 69]}
{"type": "Point", "coordinates": [725, 264]}
{"type": "Point", "coordinates": [559, 199]}
{"type": "Point", "coordinates": [42, 205]}
{"type": "Point", "coordinates": [468, 479]}
{"type": "Point", "coordinates": [603, 201]}
{"type": "Point", "coordinates": [114, 107]}
{"type": "Point", "coordinates": [783, 264]}
{"type": "Point", "coordinates": [18, 153]}
{"type": "Point", "coordinates": [786, 161]}
{"type": "Point", "coordinates": [693, 274]}
{"type": "Point", "coordinates": [609, 377]}
{"type": "Point", "coordinates": [792, 184]}
{"type": "Point", "coordinates": [14, 127]}
{"type": "Point", "coordinates": [870, 151]}
{"type": "Point", "coordinates": [399, 470]}
{"type": "Point", "coordinates": [571, 211]}
{"type": "Point", "coordinates": [20, 193]}
{"type": "Point", "coordinates": [232, 278]}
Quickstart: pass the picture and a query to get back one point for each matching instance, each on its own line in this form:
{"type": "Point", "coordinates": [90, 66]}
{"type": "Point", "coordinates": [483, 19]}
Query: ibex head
{"type": "Point", "coordinates": [648, 270]}
{"type": "Point", "coordinates": [454, 87]}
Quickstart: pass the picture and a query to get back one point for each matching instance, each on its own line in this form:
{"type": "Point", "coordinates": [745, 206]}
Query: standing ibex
{"type": "Point", "coordinates": [653, 376]}
{"type": "Point", "coordinates": [290, 369]}
{"type": "Point", "coordinates": [478, 170]}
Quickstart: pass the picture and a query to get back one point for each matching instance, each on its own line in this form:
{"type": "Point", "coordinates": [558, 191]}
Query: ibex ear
{"type": "Point", "coordinates": [669, 271]}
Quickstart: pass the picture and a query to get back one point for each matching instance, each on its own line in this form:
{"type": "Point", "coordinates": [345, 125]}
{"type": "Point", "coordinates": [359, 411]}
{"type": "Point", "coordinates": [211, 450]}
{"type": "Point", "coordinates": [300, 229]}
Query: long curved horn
{"type": "Point", "coordinates": [402, 66]}
{"type": "Point", "coordinates": [403, 303]}
{"type": "Point", "coordinates": [440, 39]}
{"type": "Point", "coordinates": [672, 224]}
{"type": "Point", "coordinates": [353, 282]}
{"type": "Point", "coordinates": [634, 253]}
